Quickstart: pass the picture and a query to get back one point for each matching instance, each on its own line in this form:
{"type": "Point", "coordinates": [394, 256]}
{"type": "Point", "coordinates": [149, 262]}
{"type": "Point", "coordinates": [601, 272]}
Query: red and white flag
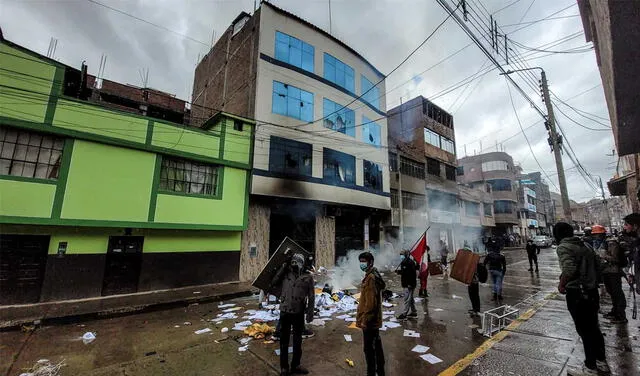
{"type": "Point", "coordinates": [418, 250]}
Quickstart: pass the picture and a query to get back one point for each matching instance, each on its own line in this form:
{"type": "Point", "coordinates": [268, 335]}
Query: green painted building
{"type": "Point", "coordinates": [96, 201]}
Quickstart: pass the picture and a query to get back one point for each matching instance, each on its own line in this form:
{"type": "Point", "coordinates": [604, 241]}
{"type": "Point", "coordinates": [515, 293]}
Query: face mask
{"type": "Point", "coordinates": [402, 257]}
{"type": "Point", "coordinates": [364, 266]}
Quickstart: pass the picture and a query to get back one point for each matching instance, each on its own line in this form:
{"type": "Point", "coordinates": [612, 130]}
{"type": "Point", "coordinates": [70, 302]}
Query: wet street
{"type": "Point", "coordinates": [164, 343]}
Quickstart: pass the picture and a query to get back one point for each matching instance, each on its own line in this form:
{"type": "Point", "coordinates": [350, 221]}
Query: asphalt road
{"type": "Point", "coordinates": [159, 343]}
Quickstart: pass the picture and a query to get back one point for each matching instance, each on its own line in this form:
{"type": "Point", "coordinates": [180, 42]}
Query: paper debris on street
{"type": "Point", "coordinates": [232, 309]}
{"type": "Point", "coordinates": [343, 317]}
{"type": "Point", "coordinates": [245, 340]}
{"type": "Point", "coordinates": [420, 349]}
{"type": "Point", "coordinates": [431, 358]}
{"type": "Point", "coordinates": [350, 319]}
{"type": "Point", "coordinates": [221, 306]}
{"type": "Point", "coordinates": [243, 348]}
{"type": "Point", "coordinates": [411, 333]}
{"type": "Point", "coordinates": [438, 310]}
{"type": "Point", "coordinates": [347, 337]}
{"type": "Point", "coordinates": [317, 322]}
{"type": "Point", "coordinates": [202, 331]}
{"type": "Point", "coordinates": [390, 324]}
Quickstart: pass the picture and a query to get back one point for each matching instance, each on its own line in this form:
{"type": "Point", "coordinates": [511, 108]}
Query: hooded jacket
{"type": "Point", "coordinates": [369, 314]}
{"type": "Point", "coordinates": [298, 295]}
{"type": "Point", "coordinates": [408, 269]}
{"type": "Point", "coordinates": [578, 265]}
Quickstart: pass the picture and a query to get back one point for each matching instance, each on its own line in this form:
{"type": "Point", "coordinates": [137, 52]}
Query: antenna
{"type": "Point", "coordinates": [329, 16]}
{"type": "Point", "coordinates": [53, 44]}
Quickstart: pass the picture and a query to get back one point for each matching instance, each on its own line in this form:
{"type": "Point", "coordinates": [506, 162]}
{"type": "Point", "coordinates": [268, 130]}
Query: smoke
{"type": "Point", "coordinates": [347, 274]}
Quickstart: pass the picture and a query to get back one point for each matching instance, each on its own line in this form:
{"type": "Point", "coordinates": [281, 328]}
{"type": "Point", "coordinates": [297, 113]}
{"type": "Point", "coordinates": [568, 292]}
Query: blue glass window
{"type": "Point", "coordinates": [370, 132]}
{"type": "Point", "coordinates": [290, 157]}
{"type": "Point", "coordinates": [294, 51]}
{"type": "Point", "coordinates": [370, 93]}
{"type": "Point", "coordinates": [339, 73]}
{"type": "Point", "coordinates": [338, 168]}
{"type": "Point", "coordinates": [372, 175]}
{"type": "Point", "coordinates": [291, 101]}
{"type": "Point", "coordinates": [338, 118]}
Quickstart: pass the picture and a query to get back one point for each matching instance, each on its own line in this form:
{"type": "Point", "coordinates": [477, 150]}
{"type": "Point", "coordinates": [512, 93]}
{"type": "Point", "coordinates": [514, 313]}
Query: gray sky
{"type": "Point", "coordinates": [384, 31]}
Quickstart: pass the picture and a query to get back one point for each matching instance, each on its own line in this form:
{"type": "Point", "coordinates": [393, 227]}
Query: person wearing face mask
{"type": "Point", "coordinates": [408, 280]}
{"type": "Point", "coordinates": [297, 300]}
{"type": "Point", "coordinates": [369, 314]}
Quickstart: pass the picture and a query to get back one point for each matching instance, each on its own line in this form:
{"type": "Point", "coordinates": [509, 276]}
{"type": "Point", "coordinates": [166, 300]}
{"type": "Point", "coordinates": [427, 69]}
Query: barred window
{"type": "Point", "coordinates": [29, 154]}
{"type": "Point", "coordinates": [411, 168]}
{"type": "Point", "coordinates": [181, 175]}
{"type": "Point", "coordinates": [450, 172]}
{"type": "Point", "coordinates": [433, 167]}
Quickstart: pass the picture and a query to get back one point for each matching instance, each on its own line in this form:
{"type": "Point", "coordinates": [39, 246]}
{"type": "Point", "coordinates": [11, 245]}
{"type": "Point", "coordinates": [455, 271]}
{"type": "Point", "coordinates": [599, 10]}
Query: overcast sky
{"type": "Point", "coordinates": [384, 32]}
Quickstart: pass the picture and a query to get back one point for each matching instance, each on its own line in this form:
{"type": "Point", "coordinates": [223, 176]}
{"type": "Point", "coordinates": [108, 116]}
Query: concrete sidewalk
{"type": "Point", "coordinates": [547, 344]}
{"type": "Point", "coordinates": [15, 315]}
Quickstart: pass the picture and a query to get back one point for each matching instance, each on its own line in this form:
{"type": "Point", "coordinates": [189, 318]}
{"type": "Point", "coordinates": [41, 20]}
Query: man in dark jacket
{"type": "Point", "coordinates": [579, 281]}
{"type": "Point", "coordinates": [408, 280]}
{"type": "Point", "coordinates": [611, 255]}
{"type": "Point", "coordinates": [496, 263]}
{"type": "Point", "coordinates": [532, 252]}
{"type": "Point", "coordinates": [369, 314]}
{"type": "Point", "coordinates": [296, 300]}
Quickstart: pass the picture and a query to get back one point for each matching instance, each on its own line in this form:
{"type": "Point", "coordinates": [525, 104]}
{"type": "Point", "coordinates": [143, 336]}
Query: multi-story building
{"type": "Point", "coordinates": [528, 211]}
{"type": "Point", "coordinates": [612, 26]}
{"type": "Point", "coordinates": [321, 171]}
{"type": "Point", "coordinates": [544, 205]}
{"type": "Point", "coordinates": [96, 201]}
{"type": "Point", "coordinates": [476, 216]}
{"type": "Point", "coordinates": [422, 142]}
{"type": "Point", "coordinates": [498, 171]}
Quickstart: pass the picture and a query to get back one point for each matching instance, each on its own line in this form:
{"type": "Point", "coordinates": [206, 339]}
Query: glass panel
{"type": "Point", "coordinates": [307, 61]}
{"type": "Point", "coordinates": [295, 56]}
{"type": "Point", "coordinates": [282, 51]}
{"type": "Point", "coordinates": [281, 37]}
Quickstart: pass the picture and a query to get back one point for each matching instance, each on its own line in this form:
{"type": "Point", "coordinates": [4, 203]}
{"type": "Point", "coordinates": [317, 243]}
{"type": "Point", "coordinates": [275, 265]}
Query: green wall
{"type": "Point", "coordinates": [200, 241]}
{"type": "Point", "coordinates": [183, 139]}
{"type": "Point", "coordinates": [108, 183]}
{"type": "Point", "coordinates": [26, 199]}
{"type": "Point", "coordinates": [237, 145]}
{"type": "Point", "coordinates": [230, 210]}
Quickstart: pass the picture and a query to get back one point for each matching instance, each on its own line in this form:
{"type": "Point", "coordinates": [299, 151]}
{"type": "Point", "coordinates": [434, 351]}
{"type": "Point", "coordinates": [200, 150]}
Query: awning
{"type": "Point", "coordinates": [618, 186]}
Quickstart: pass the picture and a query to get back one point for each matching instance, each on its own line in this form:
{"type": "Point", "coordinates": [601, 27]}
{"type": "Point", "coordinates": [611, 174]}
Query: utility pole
{"type": "Point", "coordinates": [606, 205]}
{"type": "Point", "coordinates": [399, 164]}
{"type": "Point", "coordinates": [556, 143]}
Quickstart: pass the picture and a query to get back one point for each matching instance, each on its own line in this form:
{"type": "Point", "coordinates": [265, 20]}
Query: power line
{"type": "Point", "coordinates": [541, 20]}
{"type": "Point", "coordinates": [506, 6]}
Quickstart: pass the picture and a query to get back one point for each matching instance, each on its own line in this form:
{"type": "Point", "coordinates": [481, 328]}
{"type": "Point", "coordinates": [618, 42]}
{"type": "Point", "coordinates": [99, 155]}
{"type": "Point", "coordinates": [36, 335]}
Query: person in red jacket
{"type": "Point", "coordinates": [424, 274]}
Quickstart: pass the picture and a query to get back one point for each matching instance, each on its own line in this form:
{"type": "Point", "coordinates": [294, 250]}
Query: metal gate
{"type": "Point", "coordinates": [123, 264]}
{"type": "Point", "coordinates": [23, 259]}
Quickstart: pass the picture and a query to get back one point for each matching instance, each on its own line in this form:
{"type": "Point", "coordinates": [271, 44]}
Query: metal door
{"type": "Point", "coordinates": [122, 266]}
{"type": "Point", "coordinates": [23, 260]}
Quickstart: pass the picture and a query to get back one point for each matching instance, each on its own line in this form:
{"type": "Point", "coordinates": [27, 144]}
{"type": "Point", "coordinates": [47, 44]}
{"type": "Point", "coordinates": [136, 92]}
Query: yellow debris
{"type": "Point", "coordinates": [349, 362]}
{"type": "Point", "coordinates": [259, 331]}
{"type": "Point", "coordinates": [352, 326]}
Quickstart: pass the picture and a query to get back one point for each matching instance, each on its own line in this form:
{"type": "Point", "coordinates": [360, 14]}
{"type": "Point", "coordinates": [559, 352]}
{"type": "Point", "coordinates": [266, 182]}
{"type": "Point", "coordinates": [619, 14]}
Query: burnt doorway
{"type": "Point", "coordinates": [122, 266]}
{"type": "Point", "coordinates": [23, 260]}
{"type": "Point", "coordinates": [300, 228]}
{"type": "Point", "coordinates": [349, 231]}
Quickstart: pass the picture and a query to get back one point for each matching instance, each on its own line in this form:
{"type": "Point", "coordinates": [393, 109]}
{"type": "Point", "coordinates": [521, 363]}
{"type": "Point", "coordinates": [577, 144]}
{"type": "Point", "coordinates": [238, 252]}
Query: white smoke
{"type": "Point", "coordinates": [347, 274]}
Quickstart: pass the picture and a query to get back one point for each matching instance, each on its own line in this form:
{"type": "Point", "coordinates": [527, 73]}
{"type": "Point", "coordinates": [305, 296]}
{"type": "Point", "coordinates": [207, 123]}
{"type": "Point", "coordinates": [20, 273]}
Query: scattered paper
{"type": "Point", "coordinates": [244, 323]}
{"type": "Point", "coordinates": [176, 326]}
{"type": "Point", "coordinates": [438, 310]}
{"type": "Point", "coordinates": [456, 297]}
{"type": "Point", "coordinates": [224, 330]}
{"type": "Point", "coordinates": [390, 324]}
{"type": "Point", "coordinates": [317, 322]}
{"type": "Point", "coordinates": [245, 340]}
{"type": "Point", "coordinates": [347, 337]}
{"type": "Point", "coordinates": [388, 313]}
{"type": "Point", "coordinates": [411, 333]}
{"type": "Point", "coordinates": [240, 328]}
{"type": "Point", "coordinates": [226, 305]}
{"type": "Point", "coordinates": [243, 348]}
{"type": "Point", "coordinates": [343, 317]}
{"type": "Point", "coordinates": [350, 319]}
{"type": "Point", "coordinates": [420, 349]}
{"type": "Point", "coordinates": [431, 358]}
{"type": "Point", "coordinates": [202, 331]}
{"type": "Point", "coordinates": [232, 309]}
{"type": "Point", "coordinates": [278, 351]}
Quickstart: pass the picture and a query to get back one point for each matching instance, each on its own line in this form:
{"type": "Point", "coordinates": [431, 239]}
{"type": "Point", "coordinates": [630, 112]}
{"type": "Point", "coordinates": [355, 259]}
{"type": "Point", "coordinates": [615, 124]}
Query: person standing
{"type": "Point", "coordinates": [480, 275]}
{"type": "Point", "coordinates": [496, 263]}
{"type": "Point", "coordinates": [579, 281]}
{"type": "Point", "coordinates": [408, 280]}
{"type": "Point", "coordinates": [631, 245]}
{"type": "Point", "coordinates": [369, 314]}
{"type": "Point", "coordinates": [613, 260]}
{"type": "Point", "coordinates": [297, 300]}
{"type": "Point", "coordinates": [444, 256]}
{"type": "Point", "coordinates": [424, 274]}
{"type": "Point", "coordinates": [532, 253]}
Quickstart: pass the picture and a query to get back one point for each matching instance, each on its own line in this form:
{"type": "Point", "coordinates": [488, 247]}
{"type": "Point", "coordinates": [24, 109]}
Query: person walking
{"type": "Point", "coordinates": [613, 260]}
{"type": "Point", "coordinates": [579, 281]}
{"type": "Point", "coordinates": [631, 245]}
{"type": "Point", "coordinates": [532, 253]}
{"type": "Point", "coordinates": [297, 300]}
{"type": "Point", "coordinates": [496, 263]}
{"type": "Point", "coordinates": [444, 257]}
{"type": "Point", "coordinates": [369, 314]}
{"type": "Point", "coordinates": [480, 275]}
{"type": "Point", "coordinates": [424, 274]}
{"type": "Point", "coordinates": [408, 280]}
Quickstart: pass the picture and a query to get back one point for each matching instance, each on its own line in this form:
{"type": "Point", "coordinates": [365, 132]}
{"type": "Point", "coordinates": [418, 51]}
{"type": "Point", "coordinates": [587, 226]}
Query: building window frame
{"type": "Point", "coordinates": [294, 51]}
{"type": "Point", "coordinates": [472, 209]}
{"type": "Point", "coordinates": [503, 207]}
{"type": "Point", "coordinates": [338, 168]}
{"type": "Point", "coordinates": [412, 168]}
{"type": "Point", "coordinates": [372, 175]}
{"type": "Point", "coordinates": [370, 91]}
{"type": "Point", "coordinates": [447, 145]}
{"type": "Point", "coordinates": [500, 185]}
{"type": "Point", "coordinates": [495, 166]}
{"type": "Point", "coordinates": [339, 73]}
{"type": "Point", "coordinates": [431, 137]}
{"type": "Point", "coordinates": [489, 212]}
{"type": "Point", "coordinates": [188, 177]}
{"type": "Point", "coordinates": [290, 157]}
{"type": "Point", "coordinates": [30, 155]}
{"type": "Point", "coordinates": [334, 113]}
{"type": "Point", "coordinates": [371, 132]}
{"type": "Point", "coordinates": [291, 101]}
{"type": "Point", "coordinates": [433, 167]}
{"type": "Point", "coordinates": [450, 172]}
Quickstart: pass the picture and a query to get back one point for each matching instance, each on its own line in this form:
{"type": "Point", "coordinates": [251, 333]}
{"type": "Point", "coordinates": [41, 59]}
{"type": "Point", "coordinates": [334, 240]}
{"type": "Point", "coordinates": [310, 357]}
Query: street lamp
{"type": "Point", "coordinates": [555, 139]}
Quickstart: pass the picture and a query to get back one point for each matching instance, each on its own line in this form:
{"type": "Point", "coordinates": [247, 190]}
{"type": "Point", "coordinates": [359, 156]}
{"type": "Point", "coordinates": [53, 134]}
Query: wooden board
{"type": "Point", "coordinates": [435, 268]}
{"type": "Point", "coordinates": [464, 266]}
{"type": "Point", "coordinates": [283, 254]}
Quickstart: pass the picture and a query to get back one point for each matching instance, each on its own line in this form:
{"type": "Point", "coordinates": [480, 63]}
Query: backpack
{"type": "Point", "coordinates": [584, 264]}
{"type": "Point", "coordinates": [482, 272]}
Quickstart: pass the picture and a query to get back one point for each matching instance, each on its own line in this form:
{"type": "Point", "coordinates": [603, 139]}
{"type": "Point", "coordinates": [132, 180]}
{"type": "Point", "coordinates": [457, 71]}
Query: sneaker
{"type": "Point", "coordinates": [603, 367]}
{"type": "Point", "coordinates": [307, 333]}
{"type": "Point", "coordinates": [299, 370]}
{"type": "Point", "coordinates": [582, 371]}
{"type": "Point", "coordinates": [402, 317]}
{"type": "Point", "coordinates": [413, 314]}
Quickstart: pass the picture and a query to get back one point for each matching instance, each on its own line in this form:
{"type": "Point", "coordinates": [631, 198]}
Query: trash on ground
{"type": "Point", "coordinates": [224, 330]}
{"type": "Point", "coordinates": [431, 358]}
{"type": "Point", "coordinates": [88, 337]}
{"type": "Point", "coordinates": [473, 326]}
{"type": "Point", "coordinates": [350, 319]}
{"type": "Point", "coordinates": [268, 342]}
{"type": "Point", "coordinates": [264, 316]}
{"type": "Point", "coordinates": [317, 322]}
{"type": "Point", "coordinates": [232, 309]}
{"type": "Point", "coordinates": [390, 324]}
{"type": "Point", "coordinates": [176, 326]}
{"type": "Point", "coordinates": [186, 323]}
{"type": "Point", "coordinates": [456, 297]}
{"type": "Point", "coordinates": [44, 367]}
{"type": "Point", "coordinates": [290, 350]}
{"type": "Point", "coordinates": [221, 306]}
{"type": "Point", "coordinates": [420, 349]}
{"type": "Point", "coordinates": [259, 331]}
{"type": "Point", "coordinates": [202, 331]}
{"type": "Point", "coordinates": [438, 310]}
{"type": "Point", "coordinates": [411, 333]}
{"type": "Point", "coordinates": [352, 326]}
{"type": "Point", "coordinates": [245, 340]}
{"type": "Point", "coordinates": [350, 362]}
{"type": "Point", "coordinates": [243, 348]}
{"type": "Point", "coordinates": [347, 337]}
{"type": "Point", "coordinates": [197, 292]}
